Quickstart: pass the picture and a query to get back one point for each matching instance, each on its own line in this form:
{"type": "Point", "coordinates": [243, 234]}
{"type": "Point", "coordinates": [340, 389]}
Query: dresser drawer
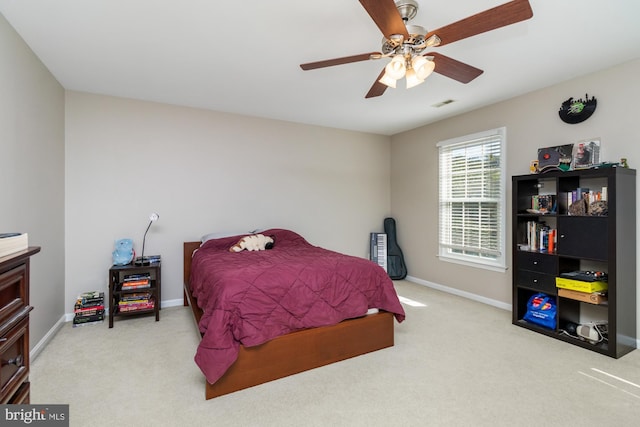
{"type": "Point", "coordinates": [14, 357]}
{"type": "Point", "coordinates": [542, 263]}
{"type": "Point", "coordinates": [541, 282]}
{"type": "Point", "coordinates": [22, 396]}
{"type": "Point", "coordinates": [13, 292]}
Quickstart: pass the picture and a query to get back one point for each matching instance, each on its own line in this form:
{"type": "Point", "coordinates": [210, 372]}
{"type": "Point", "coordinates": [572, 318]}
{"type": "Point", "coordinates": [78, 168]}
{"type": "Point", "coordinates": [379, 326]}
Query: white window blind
{"type": "Point", "coordinates": [472, 199]}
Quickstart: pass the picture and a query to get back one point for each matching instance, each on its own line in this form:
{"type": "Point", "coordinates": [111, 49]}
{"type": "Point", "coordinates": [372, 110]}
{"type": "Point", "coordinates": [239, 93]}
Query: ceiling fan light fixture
{"type": "Point", "coordinates": [396, 68]}
{"type": "Point", "coordinates": [422, 66]}
{"type": "Point", "coordinates": [387, 80]}
{"type": "Point", "coordinates": [412, 78]}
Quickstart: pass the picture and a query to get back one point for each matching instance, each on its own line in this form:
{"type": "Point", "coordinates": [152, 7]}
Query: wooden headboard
{"type": "Point", "coordinates": [189, 247]}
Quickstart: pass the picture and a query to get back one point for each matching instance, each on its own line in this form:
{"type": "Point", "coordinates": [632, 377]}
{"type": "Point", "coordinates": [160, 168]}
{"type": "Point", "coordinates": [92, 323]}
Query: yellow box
{"type": "Point", "coordinates": [580, 285]}
{"type": "Point", "coordinates": [591, 298]}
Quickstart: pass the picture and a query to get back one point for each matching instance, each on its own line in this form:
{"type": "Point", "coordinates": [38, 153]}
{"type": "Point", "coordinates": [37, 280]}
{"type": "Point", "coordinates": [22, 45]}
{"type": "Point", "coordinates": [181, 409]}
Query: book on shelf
{"type": "Point", "coordinates": [136, 282]}
{"type": "Point", "coordinates": [544, 203]}
{"type": "Point", "coordinates": [540, 237]}
{"type": "Point", "coordinates": [136, 296]}
{"type": "Point", "coordinates": [581, 193]}
{"type": "Point", "coordinates": [13, 242]}
{"type": "Point", "coordinates": [136, 277]}
{"type": "Point", "coordinates": [153, 259]}
{"type": "Point", "coordinates": [135, 306]}
{"type": "Point", "coordinates": [141, 284]}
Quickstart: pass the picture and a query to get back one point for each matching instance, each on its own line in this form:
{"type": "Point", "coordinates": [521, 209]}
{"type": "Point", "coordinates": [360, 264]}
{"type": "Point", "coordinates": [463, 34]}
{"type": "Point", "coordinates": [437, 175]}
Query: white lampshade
{"type": "Point", "coordinates": [422, 66]}
{"type": "Point", "coordinates": [386, 80]}
{"type": "Point", "coordinates": [412, 78]}
{"type": "Point", "coordinates": [396, 68]}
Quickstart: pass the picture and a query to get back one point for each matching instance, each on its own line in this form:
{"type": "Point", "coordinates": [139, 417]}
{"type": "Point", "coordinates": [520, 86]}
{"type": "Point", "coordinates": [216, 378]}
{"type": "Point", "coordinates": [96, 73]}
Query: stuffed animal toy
{"type": "Point", "coordinates": [254, 242]}
{"type": "Point", "coordinates": [123, 254]}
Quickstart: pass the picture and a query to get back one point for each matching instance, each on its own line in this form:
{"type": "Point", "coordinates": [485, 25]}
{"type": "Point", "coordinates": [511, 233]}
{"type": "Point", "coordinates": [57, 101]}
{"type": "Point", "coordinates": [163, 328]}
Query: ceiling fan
{"type": "Point", "coordinates": [405, 44]}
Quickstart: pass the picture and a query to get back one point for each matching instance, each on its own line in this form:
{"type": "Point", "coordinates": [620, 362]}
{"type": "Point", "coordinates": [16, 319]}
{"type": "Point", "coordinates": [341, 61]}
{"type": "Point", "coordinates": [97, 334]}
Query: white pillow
{"type": "Point", "coordinates": [220, 235]}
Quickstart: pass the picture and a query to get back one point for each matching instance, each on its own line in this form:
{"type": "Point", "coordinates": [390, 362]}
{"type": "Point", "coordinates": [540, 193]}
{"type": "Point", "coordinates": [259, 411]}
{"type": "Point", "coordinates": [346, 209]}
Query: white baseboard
{"type": "Point", "coordinates": [484, 300]}
{"type": "Point", "coordinates": [35, 351]}
{"type": "Point", "coordinates": [68, 317]}
{"type": "Point", "coordinates": [458, 292]}
{"type": "Point", "coordinates": [172, 303]}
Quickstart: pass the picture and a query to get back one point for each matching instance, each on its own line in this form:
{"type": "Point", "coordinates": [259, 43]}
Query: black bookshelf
{"type": "Point", "coordinates": [593, 240]}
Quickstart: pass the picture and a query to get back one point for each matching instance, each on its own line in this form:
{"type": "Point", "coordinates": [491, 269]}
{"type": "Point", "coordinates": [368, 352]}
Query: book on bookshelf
{"type": "Point", "coordinates": [136, 296]}
{"type": "Point", "coordinates": [136, 277]}
{"type": "Point", "coordinates": [135, 282]}
{"type": "Point", "coordinates": [129, 286]}
{"type": "Point", "coordinates": [544, 203]}
{"type": "Point", "coordinates": [540, 237]}
{"type": "Point", "coordinates": [136, 306]}
{"type": "Point", "coordinates": [13, 242]}
{"type": "Point", "coordinates": [153, 259]}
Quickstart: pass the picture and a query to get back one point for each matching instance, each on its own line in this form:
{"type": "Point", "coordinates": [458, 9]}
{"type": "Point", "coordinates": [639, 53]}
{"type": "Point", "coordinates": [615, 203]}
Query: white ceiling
{"type": "Point", "coordinates": [243, 57]}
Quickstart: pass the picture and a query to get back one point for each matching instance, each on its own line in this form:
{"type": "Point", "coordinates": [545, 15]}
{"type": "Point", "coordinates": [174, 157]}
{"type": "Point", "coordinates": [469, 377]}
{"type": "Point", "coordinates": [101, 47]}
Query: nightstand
{"type": "Point", "coordinates": [134, 290]}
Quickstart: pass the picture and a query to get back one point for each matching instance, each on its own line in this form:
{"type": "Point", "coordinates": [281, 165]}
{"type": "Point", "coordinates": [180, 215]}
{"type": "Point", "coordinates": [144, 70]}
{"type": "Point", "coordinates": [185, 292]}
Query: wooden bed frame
{"type": "Point", "coordinates": [295, 352]}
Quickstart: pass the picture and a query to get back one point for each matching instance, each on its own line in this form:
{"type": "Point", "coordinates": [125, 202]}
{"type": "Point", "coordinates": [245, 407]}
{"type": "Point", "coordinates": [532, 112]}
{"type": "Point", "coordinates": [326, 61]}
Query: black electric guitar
{"type": "Point", "coordinates": [396, 268]}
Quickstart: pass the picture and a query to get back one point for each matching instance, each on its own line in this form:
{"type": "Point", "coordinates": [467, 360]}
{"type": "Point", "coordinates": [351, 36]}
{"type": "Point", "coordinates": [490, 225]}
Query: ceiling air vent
{"type": "Point", "coordinates": [443, 103]}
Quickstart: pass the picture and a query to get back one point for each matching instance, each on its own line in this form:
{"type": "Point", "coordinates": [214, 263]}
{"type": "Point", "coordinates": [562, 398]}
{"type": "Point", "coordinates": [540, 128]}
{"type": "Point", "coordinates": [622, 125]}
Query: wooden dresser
{"type": "Point", "coordinates": [14, 326]}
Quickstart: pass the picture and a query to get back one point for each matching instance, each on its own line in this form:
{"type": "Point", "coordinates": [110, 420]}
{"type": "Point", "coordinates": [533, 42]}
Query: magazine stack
{"type": "Point", "coordinates": [136, 301]}
{"type": "Point", "coordinates": [89, 309]}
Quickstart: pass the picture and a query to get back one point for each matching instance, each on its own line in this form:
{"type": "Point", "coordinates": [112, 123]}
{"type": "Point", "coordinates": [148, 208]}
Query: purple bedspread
{"type": "Point", "coordinates": [249, 298]}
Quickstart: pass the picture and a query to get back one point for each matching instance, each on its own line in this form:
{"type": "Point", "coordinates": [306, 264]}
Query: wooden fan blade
{"type": "Point", "coordinates": [386, 16]}
{"type": "Point", "coordinates": [378, 88]}
{"type": "Point", "coordinates": [453, 69]}
{"type": "Point", "coordinates": [490, 19]}
{"type": "Point", "coordinates": [338, 61]}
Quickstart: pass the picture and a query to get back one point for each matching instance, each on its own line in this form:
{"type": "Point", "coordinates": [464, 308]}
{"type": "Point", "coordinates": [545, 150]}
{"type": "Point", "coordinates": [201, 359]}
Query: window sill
{"type": "Point", "coordinates": [493, 267]}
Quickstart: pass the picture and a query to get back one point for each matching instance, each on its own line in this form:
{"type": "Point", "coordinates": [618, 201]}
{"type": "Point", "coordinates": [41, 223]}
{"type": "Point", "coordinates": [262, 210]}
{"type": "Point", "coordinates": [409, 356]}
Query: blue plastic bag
{"type": "Point", "coordinates": [123, 254]}
{"type": "Point", "coordinates": [542, 311]}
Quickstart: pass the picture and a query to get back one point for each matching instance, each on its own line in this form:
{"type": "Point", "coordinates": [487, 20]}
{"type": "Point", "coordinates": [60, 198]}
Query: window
{"type": "Point", "coordinates": [472, 199]}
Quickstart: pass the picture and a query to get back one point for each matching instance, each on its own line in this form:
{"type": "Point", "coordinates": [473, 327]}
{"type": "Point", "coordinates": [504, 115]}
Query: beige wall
{"type": "Point", "coordinates": [532, 121]}
{"type": "Point", "coordinates": [32, 171]}
{"type": "Point", "coordinates": [205, 171]}
{"type": "Point", "coordinates": [209, 172]}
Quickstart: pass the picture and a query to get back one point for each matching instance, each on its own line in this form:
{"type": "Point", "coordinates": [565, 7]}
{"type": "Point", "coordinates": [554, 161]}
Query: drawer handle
{"type": "Point", "coordinates": [535, 262]}
{"type": "Point", "coordinates": [3, 339]}
{"type": "Point", "coordinates": [18, 361]}
{"type": "Point", "coordinates": [535, 280]}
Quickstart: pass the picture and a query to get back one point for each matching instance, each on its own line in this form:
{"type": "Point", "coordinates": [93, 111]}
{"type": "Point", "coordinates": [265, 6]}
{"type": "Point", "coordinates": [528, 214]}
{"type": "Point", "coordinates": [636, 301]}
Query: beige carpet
{"type": "Point", "coordinates": [455, 363]}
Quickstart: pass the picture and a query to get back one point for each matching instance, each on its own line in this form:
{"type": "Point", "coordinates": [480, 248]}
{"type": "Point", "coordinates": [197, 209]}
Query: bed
{"type": "Point", "coordinates": [264, 315]}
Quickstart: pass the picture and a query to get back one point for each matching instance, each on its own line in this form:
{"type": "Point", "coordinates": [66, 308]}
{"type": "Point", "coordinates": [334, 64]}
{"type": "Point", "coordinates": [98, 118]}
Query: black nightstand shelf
{"type": "Point", "coordinates": [118, 276]}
